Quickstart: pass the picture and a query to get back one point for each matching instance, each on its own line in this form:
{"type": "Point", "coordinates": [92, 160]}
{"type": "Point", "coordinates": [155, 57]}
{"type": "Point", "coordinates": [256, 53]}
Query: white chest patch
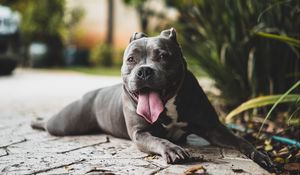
{"type": "Point", "coordinates": [174, 128]}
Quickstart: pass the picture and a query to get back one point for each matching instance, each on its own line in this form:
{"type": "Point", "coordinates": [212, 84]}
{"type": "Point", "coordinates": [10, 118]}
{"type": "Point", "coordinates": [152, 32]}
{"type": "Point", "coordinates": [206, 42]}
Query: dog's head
{"type": "Point", "coordinates": [153, 70]}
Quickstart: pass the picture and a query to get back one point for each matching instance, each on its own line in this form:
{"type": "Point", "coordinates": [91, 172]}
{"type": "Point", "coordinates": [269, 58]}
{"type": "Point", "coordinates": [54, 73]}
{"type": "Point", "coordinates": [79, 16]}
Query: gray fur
{"type": "Point", "coordinates": [113, 109]}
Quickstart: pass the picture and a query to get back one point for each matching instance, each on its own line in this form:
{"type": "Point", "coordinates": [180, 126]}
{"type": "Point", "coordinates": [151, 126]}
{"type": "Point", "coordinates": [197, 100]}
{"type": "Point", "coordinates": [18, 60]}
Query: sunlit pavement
{"type": "Point", "coordinates": [28, 94]}
{"type": "Point", "coordinates": [36, 90]}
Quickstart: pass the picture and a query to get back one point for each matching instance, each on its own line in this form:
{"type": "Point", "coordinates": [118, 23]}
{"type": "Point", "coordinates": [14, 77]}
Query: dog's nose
{"type": "Point", "coordinates": [145, 73]}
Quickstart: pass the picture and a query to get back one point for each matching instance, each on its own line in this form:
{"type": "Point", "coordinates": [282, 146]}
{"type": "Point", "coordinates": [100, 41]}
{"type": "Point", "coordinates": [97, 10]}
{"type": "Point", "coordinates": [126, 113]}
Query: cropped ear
{"type": "Point", "coordinates": [170, 34]}
{"type": "Point", "coordinates": [137, 35]}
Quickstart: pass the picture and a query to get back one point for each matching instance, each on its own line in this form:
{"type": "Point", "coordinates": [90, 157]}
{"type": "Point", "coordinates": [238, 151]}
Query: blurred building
{"type": "Point", "coordinates": [92, 29]}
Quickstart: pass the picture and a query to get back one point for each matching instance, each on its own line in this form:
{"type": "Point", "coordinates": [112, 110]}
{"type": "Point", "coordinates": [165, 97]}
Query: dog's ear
{"type": "Point", "coordinates": [137, 35]}
{"type": "Point", "coordinates": [170, 34]}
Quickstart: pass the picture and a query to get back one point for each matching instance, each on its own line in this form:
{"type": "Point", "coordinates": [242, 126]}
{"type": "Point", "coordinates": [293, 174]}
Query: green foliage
{"type": "Point", "coordinates": [288, 40]}
{"type": "Point", "coordinates": [145, 13]}
{"type": "Point", "coordinates": [230, 41]}
{"type": "Point", "coordinates": [102, 55]}
{"type": "Point", "coordinates": [273, 100]}
{"type": "Point", "coordinates": [283, 96]}
{"type": "Point", "coordinates": [134, 2]}
{"type": "Point", "coordinates": [261, 102]}
{"type": "Point", "coordinates": [46, 21]}
{"type": "Point", "coordinates": [43, 18]}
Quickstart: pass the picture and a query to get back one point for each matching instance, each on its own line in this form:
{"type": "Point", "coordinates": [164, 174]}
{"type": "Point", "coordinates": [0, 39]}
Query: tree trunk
{"type": "Point", "coordinates": [110, 30]}
{"type": "Point", "coordinates": [143, 16]}
{"type": "Point", "coordinates": [110, 22]}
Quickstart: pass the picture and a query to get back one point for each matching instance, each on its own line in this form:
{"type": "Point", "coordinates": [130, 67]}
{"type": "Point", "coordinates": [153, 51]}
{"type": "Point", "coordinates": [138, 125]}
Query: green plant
{"type": "Point", "coordinates": [46, 21]}
{"type": "Point", "coordinates": [286, 39]}
{"type": "Point", "coordinates": [261, 102]}
{"type": "Point", "coordinates": [230, 41]}
{"type": "Point", "coordinates": [273, 100]}
{"type": "Point", "coordinates": [101, 55]}
{"type": "Point", "coordinates": [283, 96]}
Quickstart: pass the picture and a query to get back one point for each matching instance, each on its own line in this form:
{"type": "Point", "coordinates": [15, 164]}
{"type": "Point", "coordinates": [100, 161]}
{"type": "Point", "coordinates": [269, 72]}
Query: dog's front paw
{"type": "Point", "coordinates": [175, 154]}
{"type": "Point", "coordinates": [263, 160]}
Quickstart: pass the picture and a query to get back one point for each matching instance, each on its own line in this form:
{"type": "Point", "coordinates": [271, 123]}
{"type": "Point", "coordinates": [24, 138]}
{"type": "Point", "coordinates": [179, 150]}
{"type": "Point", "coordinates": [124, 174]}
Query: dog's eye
{"type": "Point", "coordinates": [162, 56]}
{"type": "Point", "coordinates": [130, 60]}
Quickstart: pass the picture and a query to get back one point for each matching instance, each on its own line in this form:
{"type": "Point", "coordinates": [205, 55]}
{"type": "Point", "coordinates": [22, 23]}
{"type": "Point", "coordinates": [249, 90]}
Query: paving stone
{"type": "Point", "coordinates": [233, 154]}
{"type": "Point", "coordinates": [3, 152]}
{"type": "Point", "coordinates": [219, 166]}
{"type": "Point", "coordinates": [10, 140]}
{"type": "Point", "coordinates": [115, 166]}
{"type": "Point", "coordinates": [58, 145]}
{"type": "Point", "coordinates": [27, 151]}
{"type": "Point", "coordinates": [30, 163]}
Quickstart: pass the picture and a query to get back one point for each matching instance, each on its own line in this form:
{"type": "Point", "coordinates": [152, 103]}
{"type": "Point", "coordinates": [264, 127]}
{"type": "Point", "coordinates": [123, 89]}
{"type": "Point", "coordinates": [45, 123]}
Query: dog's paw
{"type": "Point", "coordinates": [175, 154]}
{"type": "Point", "coordinates": [264, 161]}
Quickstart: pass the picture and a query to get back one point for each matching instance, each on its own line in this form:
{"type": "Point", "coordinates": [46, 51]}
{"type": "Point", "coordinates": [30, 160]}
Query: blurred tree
{"type": "Point", "coordinates": [148, 13]}
{"type": "Point", "coordinates": [72, 18]}
{"type": "Point", "coordinates": [221, 37]}
{"type": "Point", "coordinates": [44, 21]}
{"type": "Point", "coordinates": [110, 22]}
{"type": "Point", "coordinates": [102, 54]}
{"type": "Point", "coordinates": [143, 12]}
{"type": "Point", "coordinates": [107, 59]}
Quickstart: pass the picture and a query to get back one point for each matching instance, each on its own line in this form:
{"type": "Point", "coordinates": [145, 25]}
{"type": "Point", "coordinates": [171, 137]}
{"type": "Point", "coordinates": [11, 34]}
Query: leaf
{"type": "Point", "coordinates": [279, 160]}
{"type": "Point", "coordinates": [292, 166]}
{"type": "Point", "coordinates": [151, 157]}
{"type": "Point", "coordinates": [279, 101]}
{"type": "Point", "coordinates": [286, 39]}
{"type": "Point", "coordinates": [298, 155]}
{"type": "Point", "coordinates": [68, 168]}
{"type": "Point", "coordinates": [194, 169]}
{"type": "Point", "coordinates": [284, 149]}
{"type": "Point", "coordinates": [268, 147]}
{"type": "Point", "coordinates": [260, 102]}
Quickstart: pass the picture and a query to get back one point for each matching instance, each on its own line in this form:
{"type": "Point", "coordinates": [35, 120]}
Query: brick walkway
{"type": "Point", "coordinates": [29, 94]}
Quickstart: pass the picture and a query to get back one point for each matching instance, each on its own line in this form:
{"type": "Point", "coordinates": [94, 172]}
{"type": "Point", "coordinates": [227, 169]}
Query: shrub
{"type": "Point", "coordinates": [101, 55]}
{"type": "Point", "coordinates": [221, 37]}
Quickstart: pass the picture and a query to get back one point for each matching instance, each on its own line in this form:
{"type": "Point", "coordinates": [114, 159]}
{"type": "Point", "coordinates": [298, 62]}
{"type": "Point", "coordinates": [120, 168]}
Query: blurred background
{"type": "Point", "coordinates": [77, 33]}
{"type": "Point", "coordinates": [247, 48]}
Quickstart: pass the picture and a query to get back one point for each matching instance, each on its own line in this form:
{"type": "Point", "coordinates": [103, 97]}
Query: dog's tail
{"type": "Point", "coordinates": [39, 124]}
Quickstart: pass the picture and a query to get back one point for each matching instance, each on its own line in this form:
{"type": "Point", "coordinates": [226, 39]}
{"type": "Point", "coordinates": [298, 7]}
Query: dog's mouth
{"type": "Point", "coordinates": [162, 93]}
{"type": "Point", "coordinates": [150, 103]}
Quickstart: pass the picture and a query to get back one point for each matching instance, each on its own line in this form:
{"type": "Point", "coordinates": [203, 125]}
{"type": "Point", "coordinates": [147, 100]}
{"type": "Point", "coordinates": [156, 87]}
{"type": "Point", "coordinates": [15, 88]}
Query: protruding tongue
{"type": "Point", "coordinates": [149, 106]}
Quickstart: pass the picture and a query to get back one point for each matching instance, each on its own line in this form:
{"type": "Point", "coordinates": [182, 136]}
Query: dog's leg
{"type": "Point", "coordinates": [147, 136]}
{"type": "Point", "coordinates": [74, 119]}
{"type": "Point", "coordinates": [219, 135]}
{"type": "Point", "coordinates": [169, 151]}
{"type": "Point", "coordinates": [204, 122]}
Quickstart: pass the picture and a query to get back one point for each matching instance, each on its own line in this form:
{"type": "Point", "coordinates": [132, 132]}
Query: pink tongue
{"type": "Point", "coordinates": [149, 106]}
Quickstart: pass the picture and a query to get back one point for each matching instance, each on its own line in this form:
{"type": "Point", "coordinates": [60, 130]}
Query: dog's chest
{"type": "Point", "coordinates": [173, 127]}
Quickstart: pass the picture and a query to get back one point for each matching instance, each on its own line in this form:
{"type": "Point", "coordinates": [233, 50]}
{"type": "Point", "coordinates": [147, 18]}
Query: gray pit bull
{"type": "Point", "coordinates": [158, 104]}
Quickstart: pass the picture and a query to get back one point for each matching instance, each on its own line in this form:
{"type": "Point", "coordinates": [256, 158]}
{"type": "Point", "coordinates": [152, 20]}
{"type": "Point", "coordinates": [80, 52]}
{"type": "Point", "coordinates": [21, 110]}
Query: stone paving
{"type": "Point", "coordinates": [29, 94]}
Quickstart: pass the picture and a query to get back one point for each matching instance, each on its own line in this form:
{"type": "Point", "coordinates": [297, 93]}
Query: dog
{"type": "Point", "coordinates": [158, 104]}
